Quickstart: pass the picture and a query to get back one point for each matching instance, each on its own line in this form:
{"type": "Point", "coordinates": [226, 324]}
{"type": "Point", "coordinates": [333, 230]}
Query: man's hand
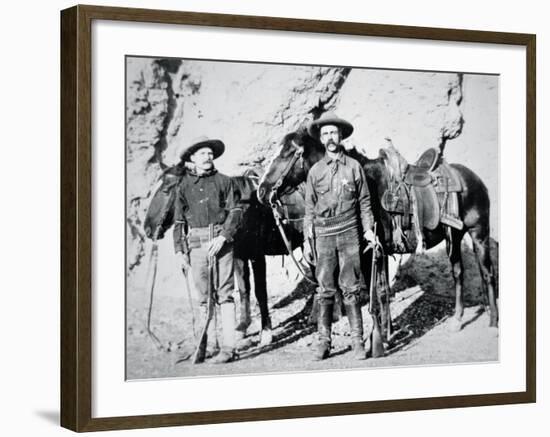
{"type": "Point", "coordinates": [308, 253]}
{"type": "Point", "coordinates": [215, 245]}
{"type": "Point", "coordinates": [185, 263]}
{"type": "Point", "coordinates": [370, 237]}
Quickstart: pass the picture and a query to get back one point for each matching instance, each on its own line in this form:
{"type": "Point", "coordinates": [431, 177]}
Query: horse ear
{"type": "Point", "coordinates": [163, 172]}
{"type": "Point", "coordinates": [382, 154]}
{"type": "Point", "coordinates": [298, 147]}
{"type": "Point", "coordinates": [302, 130]}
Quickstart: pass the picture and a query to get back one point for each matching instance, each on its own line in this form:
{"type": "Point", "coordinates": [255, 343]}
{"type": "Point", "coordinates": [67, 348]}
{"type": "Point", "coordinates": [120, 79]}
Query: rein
{"type": "Point", "coordinates": [288, 246]}
{"type": "Point", "coordinates": [298, 155]}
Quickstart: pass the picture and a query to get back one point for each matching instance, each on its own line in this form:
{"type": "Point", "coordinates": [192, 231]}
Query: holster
{"type": "Point", "coordinates": [180, 238]}
{"type": "Point", "coordinates": [311, 241]}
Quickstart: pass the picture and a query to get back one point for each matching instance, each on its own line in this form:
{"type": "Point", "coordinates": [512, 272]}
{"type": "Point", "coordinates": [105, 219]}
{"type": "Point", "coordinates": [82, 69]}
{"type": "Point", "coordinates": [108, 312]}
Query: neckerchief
{"type": "Point", "coordinates": [207, 173]}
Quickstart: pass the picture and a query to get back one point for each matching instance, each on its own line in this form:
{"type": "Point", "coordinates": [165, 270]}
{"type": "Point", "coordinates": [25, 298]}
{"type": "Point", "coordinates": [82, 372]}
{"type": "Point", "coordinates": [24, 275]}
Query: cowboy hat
{"type": "Point", "coordinates": [330, 118]}
{"type": "Point", "coordinates": [217, 146]}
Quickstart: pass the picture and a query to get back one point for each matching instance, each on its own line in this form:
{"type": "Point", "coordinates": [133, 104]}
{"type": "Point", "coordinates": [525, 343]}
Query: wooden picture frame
{"type": "Point", "coordinates": [76, 217]}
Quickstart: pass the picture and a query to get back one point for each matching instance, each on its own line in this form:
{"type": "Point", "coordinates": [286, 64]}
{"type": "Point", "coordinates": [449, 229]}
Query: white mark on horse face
{"type": "Point", "coordinates": [156, 186]}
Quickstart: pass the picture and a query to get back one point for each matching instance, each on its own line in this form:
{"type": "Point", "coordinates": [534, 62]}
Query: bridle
{"type": "Point", "coordinates": [275, 203]}
{"type": "Point", "coordinates": [298, 155]}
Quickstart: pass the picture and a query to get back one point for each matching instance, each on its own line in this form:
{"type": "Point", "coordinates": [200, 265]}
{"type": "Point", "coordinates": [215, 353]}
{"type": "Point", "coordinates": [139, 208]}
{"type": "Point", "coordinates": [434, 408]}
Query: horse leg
{"type": "Point", "coordinates": [480, 240]}
{"type": "Point", "coordinates": [242, 274]}
{"type": "Point", "coordinates": [395, 264]}
{"type": "Point", "coordinates": [455, 256]}
{"type": "Point", "coordinates": [260, 290]}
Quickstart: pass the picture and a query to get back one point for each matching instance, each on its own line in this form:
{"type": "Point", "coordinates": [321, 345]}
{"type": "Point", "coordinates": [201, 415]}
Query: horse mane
{"type": "Point", "coordinates": [177, 170]}
{"type": "Point", "coordinates": [358, 156]}
{"type": "Point", "coordinates": [302, 137]}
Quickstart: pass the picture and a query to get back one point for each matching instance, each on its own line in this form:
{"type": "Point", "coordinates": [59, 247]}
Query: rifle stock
{"type": "Point", "coordinates": [376, 340]}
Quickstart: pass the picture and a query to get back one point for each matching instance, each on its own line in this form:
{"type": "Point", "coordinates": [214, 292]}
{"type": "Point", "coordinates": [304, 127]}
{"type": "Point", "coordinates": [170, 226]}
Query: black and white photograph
{"type": "Point", "coordinates": [292, 218]}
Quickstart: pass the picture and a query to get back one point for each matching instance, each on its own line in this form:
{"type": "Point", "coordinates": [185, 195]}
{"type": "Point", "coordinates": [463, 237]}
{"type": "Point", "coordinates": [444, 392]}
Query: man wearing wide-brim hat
{"type": "Point", "coordinates": [206, 197]}
{"type": "Point", "coordinates": [338, 212]}
{"type": "Point", "coordinates": [330, 118]}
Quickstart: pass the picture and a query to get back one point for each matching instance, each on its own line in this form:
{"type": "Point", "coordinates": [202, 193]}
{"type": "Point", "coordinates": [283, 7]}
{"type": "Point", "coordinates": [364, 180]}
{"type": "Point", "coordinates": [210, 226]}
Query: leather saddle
{"type": "Point", "coordinates": [419, 175]}
{"type": "Point", "coordinates": [419, 193]}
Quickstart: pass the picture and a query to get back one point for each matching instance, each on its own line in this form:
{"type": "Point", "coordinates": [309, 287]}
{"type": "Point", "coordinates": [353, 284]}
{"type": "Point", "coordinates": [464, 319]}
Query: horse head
{"type": "Point", "coordinates": [160, 213]}
{"type": "Point", "coordinates": [289, 165]}
{"type": "Point", "coordinates": [294, 158]}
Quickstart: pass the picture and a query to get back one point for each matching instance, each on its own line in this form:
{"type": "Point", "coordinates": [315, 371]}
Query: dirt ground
{"type": "Point", "coordinates": [421, 305]}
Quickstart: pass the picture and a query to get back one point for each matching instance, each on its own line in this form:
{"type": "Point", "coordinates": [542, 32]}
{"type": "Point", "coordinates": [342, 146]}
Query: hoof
{"type": "Point", "coordinates": [266, 337]}
{"type": "Point", "coordinates": [239, 335]}
{"type": "Point", "coordinates": [184, 357]}
{"type": "Point", "coordinates": [225, 356]}
{"type": "Point", "coordinates": [455, 325]}
{"type": "Point", "coordinates": [358, 350]}
{"type": "Point", "coordinates": [243, 326]}
{"type": "Point", "coordinates": [244, 343]}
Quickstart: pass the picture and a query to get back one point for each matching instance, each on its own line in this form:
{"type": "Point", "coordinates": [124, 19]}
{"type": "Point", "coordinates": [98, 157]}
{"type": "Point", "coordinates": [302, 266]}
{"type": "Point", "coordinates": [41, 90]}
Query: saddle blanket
{"type": "Point", "coordinates": [445, 179]}
{"type": "Point", "coordinates": [449, 210]}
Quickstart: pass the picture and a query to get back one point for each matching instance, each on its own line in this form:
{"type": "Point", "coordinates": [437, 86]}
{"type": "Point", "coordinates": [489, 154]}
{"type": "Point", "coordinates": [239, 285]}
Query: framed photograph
{"type": "Point", "coordinates": [267, 218]}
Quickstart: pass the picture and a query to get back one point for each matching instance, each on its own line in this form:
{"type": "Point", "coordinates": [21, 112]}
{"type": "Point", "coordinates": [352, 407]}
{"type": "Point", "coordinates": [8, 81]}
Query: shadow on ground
{"type": "Point", "coordinates": [430, 271]}
{"type": "Point", "coordinates": [413, 316]}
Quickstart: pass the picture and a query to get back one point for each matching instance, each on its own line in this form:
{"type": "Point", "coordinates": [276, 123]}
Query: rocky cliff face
{"type": "Point", "coordinates": [252, 106]}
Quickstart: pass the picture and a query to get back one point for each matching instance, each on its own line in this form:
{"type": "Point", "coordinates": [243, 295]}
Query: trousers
{"type": "Point", "coordinates": [339, 266]}
{"type": "Point", "coordinates": [223, 281]}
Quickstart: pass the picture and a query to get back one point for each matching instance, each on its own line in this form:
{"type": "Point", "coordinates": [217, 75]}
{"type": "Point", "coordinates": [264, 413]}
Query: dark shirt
{"type": "Point", "coordinates": [335, 187]}
{"type": "Point", "coordinates": [203, 200]}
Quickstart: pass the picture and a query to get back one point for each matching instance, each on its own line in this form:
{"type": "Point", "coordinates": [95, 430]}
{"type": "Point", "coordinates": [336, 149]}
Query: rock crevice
{"type": "Point", "coordinates": [252, 106]}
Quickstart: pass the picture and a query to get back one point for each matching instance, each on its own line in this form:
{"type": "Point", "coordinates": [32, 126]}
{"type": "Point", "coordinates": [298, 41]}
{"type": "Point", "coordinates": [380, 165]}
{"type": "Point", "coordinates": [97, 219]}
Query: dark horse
{"type": "Point", "coordinates": [300, 152]}
{"type": "Point", "coordinates": [256, 237]}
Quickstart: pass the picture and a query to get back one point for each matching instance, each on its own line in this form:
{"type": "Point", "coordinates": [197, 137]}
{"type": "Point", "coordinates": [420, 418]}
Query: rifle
{"type": "Point", "coordinates": [200, 351]}
{"type": "Point", "coordinates": [377, 345]}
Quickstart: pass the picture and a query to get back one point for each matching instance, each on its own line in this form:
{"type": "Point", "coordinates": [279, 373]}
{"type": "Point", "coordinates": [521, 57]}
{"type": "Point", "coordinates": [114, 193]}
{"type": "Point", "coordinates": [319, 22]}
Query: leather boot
{"type": "Point", "coordinates": [229, 341]}
{"type": "Point", "coordinates": [324, 326]}
{"type": "Point", "coordinates": [355, 319]}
